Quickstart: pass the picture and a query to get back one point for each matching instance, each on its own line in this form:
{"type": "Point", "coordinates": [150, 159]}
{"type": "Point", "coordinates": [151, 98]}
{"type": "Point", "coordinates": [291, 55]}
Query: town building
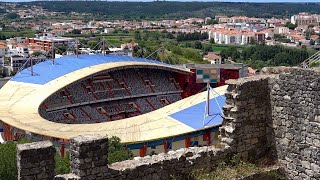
{"type": "Point", "coordinates": [212, 58]}
{"type": "Point", "coordinates": [305, 19]}
{"type": "Point", "coordinates": [45, 42]}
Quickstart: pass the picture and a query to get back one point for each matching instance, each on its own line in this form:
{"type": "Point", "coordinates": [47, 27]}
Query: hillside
{"type": "Point", "coordinates": [165, 9]}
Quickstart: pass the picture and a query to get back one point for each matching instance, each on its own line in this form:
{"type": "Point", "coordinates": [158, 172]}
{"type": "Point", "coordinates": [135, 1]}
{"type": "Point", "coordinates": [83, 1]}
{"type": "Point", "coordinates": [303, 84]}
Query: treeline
{"type": "Point", "coordinates": [262, 55]}
{"type": "Point", "coordinates": [192, 36]}
{"type": "Point", "coordinates": [167, 9]}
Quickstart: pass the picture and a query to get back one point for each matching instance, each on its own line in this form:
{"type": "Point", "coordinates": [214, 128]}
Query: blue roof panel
{"type": "Point", "coordinates": [194, 116]}
{"type": "Point", "coordinates": [46, 71]}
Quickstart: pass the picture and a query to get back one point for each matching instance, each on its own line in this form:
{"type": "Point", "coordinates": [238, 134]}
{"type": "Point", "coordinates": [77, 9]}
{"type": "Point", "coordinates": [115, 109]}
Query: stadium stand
{"type": "Point", "coordinates": [112, 95]}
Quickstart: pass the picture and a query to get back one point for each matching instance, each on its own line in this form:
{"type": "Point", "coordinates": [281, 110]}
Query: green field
{"type": "Point", "coordinates": [18, 33]}
{"type": "Point", "coordinates": [217, 48]}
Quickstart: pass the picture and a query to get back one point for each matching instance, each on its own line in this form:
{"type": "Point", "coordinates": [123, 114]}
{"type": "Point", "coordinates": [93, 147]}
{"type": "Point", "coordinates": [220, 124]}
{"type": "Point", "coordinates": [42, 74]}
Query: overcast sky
{"type": "Point", "coordinates": [258, 1]}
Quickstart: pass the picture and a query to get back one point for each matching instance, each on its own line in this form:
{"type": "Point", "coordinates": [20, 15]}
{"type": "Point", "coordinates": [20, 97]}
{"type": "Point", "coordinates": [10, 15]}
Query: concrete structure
{"type": "Point", "coordinates": [281, 30]}
{"type": "Point", "coordinates": [16, 62]}
{"type": "Point", "coordinates": [233, 36]}
{"type": "Point", "coordinates": [45, 42]}
{"type": "Point", "coordinates": [305, 19]}
{"type": "Point", "coordinates": [181, 121]}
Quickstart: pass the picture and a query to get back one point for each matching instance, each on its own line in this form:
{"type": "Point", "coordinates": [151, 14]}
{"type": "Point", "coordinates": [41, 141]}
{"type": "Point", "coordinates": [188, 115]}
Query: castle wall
{"type": "Point", "coordinates": [295, 102]}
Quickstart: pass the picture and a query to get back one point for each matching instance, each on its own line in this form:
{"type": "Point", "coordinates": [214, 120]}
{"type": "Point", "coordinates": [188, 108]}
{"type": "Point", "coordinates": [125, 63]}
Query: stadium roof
{"type": "Point", "coordinates": [46, 71]}
{"type": "Point", "coordinates": [21, 97]}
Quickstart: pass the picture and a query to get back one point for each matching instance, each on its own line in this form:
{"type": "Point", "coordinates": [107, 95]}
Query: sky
{"type": "Point", "coordinates": [257, 1]}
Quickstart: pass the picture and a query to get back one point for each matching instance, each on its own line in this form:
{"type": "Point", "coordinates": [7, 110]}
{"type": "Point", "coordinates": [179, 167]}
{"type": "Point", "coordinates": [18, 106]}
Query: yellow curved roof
{"type": "Point", "coordinates": [19, 103]}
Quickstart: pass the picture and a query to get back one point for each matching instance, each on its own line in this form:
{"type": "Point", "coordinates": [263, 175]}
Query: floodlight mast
{"type": "Point", "coordinates": [31, 65]}
{"type": "Point", "coordinates": [77, 53]}
{"type": "Point", "coordinates": [52, 53]}
{"type": "Point", "coordinates": [162, 53]}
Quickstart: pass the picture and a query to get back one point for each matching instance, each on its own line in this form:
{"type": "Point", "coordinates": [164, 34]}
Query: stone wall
{"type": "Point", "coordinates": [247, 118]}
{"type": "Point", "coordinates": [89, 161]}
{"type": "Point", "coordinates": [88, 155]}
{"type": "Point", "coordinates": [295, 102]}
{"type": "Point", "coordinates": [276, 115]}
{"type": "Point", "coordinates": [35, 160]}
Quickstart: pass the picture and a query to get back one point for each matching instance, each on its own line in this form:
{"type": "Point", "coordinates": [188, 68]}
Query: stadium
{"type": "Point", "coordinates": [149, 105]}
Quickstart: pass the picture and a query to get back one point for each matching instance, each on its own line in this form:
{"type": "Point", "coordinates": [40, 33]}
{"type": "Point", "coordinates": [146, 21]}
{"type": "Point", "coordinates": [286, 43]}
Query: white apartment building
{"type": "Point", "coordinates": [231, 36]}
{"type": "Point", "coordinates": [16, 62]}
{"type": "Point", "coordinates": [281, 30]}
{"type": "Point", "coordinates": [305, 19]}
{"type": "Point", "coordinates": [224, 36]}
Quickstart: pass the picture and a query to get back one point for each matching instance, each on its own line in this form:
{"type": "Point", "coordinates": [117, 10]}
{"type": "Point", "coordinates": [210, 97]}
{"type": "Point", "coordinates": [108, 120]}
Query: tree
{"type": "Point", "coordinates": [212, 41]}
{"type": "Point", "coordinates": [36, 53]}
{"type": "Point", "coordinates": [8, 165]}
{"type": "Point", "coordinates": [137, 35]}
{"type": "Point", "coordinates": [76, 31]}
{"type": "Point", "coordinates": [197, 45]}
{"type": "Point", "coordinates": [212, 21]}
{"type": "Point", "coordinates": [170, 35]}
{"type": "Point", "coordinates": [117, 152]}
{"type": "Point", "coordinates": [282, 58]}
{"type": "Point", "coordinates": [290, 25]}
{"type": "Point", "coordinates": [62, 49]}
{"type": "Point", "coordinates": [312, 42]}
{"type": "Point", "coordinates": [12, 16]}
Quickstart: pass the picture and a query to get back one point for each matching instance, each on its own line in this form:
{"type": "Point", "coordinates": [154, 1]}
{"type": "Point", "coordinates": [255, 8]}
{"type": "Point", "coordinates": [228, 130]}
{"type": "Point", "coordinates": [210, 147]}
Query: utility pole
{"type": "Point", "coordinates": [132, 47]}
{"type": "Point", "coordinates": [31, 65]}
{"type": "Point", "coordinates": [52, 53]}
{"type": "Point", "coordinates": [208, 98]}
{"type": "Point", "coordinates": [103, 48]}
{"type": "Point", "coordinates": [77, 47]}
{"type": "Point", "coordinates": [162, 53]}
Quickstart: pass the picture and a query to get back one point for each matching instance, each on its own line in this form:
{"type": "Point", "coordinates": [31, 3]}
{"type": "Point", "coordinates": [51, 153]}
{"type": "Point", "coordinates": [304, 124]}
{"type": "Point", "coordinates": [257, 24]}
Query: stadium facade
{"type": "Point", "coordinates": [149, 105]}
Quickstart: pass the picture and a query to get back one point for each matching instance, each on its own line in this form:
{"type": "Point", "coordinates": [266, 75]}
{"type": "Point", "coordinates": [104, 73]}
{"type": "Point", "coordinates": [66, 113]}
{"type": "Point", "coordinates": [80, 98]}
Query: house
{"type": "Point", "coordinates": [128, 45]}
{"type": "Point", "coordinates": [212, 58]}
{"type": "Point", "coordinates": [281, 30]}
{"type": "Point", "coordinates": [108, 30]}
{"type": "Point", "coordinates": [3, 49]}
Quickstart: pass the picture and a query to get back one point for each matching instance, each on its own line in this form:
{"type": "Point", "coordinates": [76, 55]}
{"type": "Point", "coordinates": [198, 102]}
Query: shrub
{"type": "Point", "coordinates": [8, 164]}
{"type": "Point", "coordinates": [117, 152]}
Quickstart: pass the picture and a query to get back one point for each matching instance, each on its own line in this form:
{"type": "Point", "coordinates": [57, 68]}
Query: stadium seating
{"type": "Point", "coordinates": [119, 94]}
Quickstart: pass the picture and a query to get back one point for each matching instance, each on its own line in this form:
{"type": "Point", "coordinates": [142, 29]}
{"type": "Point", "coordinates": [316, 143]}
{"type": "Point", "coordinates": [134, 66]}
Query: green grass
{"type": "Point", "coordinates": [217, 48]}
{"type": "Point", "coordinates": [118, 40]}
{"type": "Point", "coordinates": [234, 168]}
{"type": "Point", "coordinates": [15, 33]}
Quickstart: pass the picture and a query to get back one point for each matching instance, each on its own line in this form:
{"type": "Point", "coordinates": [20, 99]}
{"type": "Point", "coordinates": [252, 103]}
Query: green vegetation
{"type": "Point", "coordinates": [192, 36]}
{"type": "Point", "coordinates": [233, 168]}
{"type": "Point", "coordinates": [12, 16]}
{"type": "Point", "coordinates": [181, 52]}
{"type": "Point", "coordinates": [281, 38]}
{"type": "Point", "coordinates": [290, 25]}
{"type": "Point", "coordinates": [9, 33]}
{"type": "Point", "coordinates": [117, 152]}
{"type": "Point", "coordinates": [166, 9]}
{"type": "Point", "coordinates": [8, 165]}
{"type": "Point", "coordinates": [259, 56]}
